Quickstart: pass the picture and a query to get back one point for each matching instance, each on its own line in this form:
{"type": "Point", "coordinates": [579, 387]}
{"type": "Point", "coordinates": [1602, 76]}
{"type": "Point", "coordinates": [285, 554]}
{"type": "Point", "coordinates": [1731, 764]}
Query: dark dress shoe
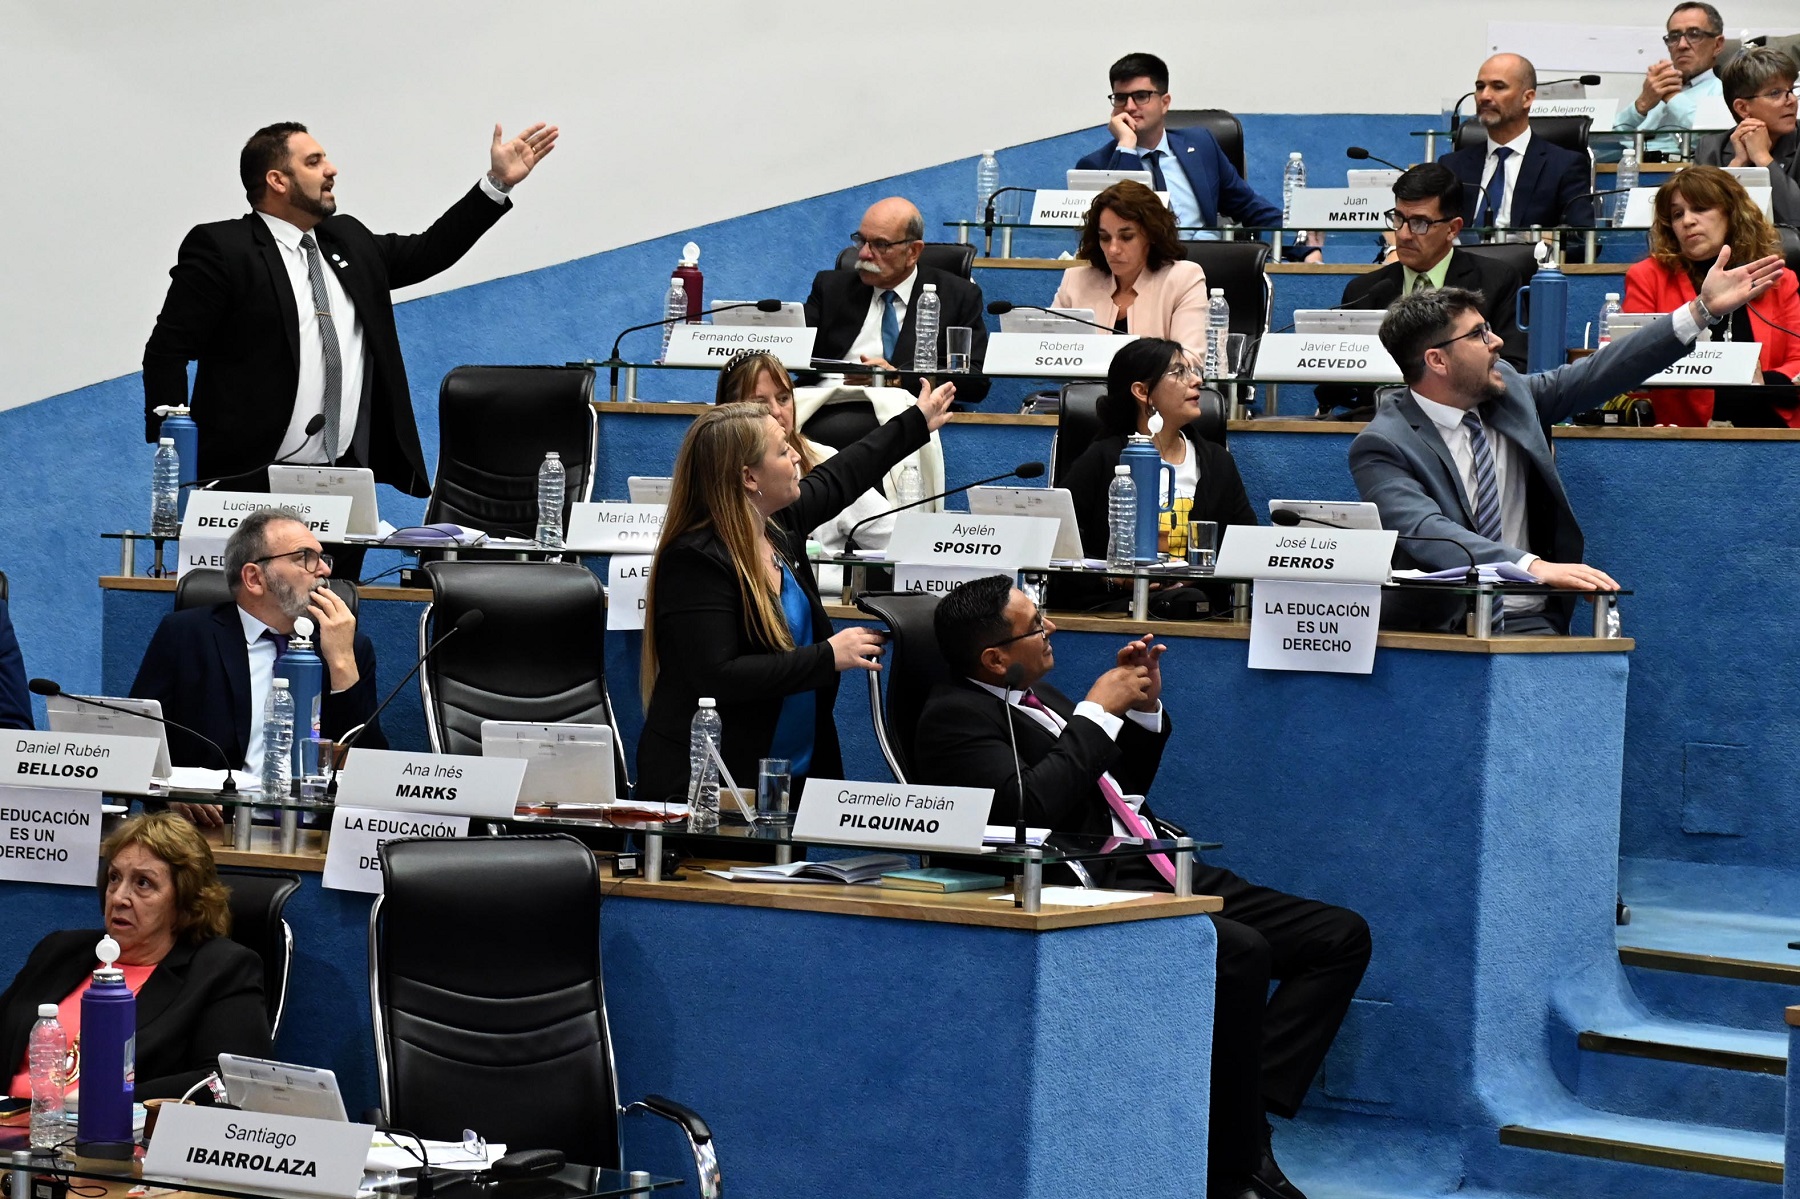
{"type": "Point", "coordinates": [1270, 1182]}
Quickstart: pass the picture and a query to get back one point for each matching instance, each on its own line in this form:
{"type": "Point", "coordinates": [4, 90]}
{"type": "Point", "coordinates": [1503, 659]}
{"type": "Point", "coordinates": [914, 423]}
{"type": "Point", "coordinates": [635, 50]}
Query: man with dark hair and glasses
{"type": "Point", "coordinates": [1681, 91]}
{"type": "Point", "coordinates": [1464, 453]}
{"type": "Point", "coordinates": [211, 668]}
{"type": "Point", "coordinates": [1086, 767]}
{"type": "Point", "coordinates": [866, 314]}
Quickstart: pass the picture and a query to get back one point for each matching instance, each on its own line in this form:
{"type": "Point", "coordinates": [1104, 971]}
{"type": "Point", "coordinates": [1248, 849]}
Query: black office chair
{"type": "Point", "coordinates": [1521, 257]}
{"type": "Point", "coordinates": [1226, 129]}
{"type": "Point", "coordinates": [1571, 133]}
{"type": "Point", "coordinates": [954, 257]}
{"type": "Point", "coordinates": [1078, 423]}
{"type": "Point", "coordinates": [841, 424]}
{"type": "Point", "coordinates": [914, 666]}
{"type": "Point", "coordinates": [539, 653]}
{"type": "Point", "coordinates": [203, 587]}
{"type": "Point", "coordinates": [5, 593]}
{"type": "Point", "coordinates": [258, 899]}
{"type": "Point", "coordinates": [1240, 268]}
{"type": "Point", "coordinates": [506, 1032]}
{"type": "Point", "coordinates": [495, 424]}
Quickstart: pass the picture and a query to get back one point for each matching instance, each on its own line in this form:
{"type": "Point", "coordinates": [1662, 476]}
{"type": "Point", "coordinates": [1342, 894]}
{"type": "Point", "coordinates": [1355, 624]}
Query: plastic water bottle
{"type": "Point", "coordinates": [674, 309]}
{"type": "Point", "coordinates": [1218, 336]}
{"type": "Point", "coordinates": [911, 488]}
{"type": "Point", "coordinates": [987, 182]}
{"type": "Point", "coordinates": [278, 742]}
{"type": "Point", "coordinates": [1121, 518]}
{"type": "Point", "coordinates": [1626, 178]}
{"type": "Point", "coordinates": [703, 771]}
{"type": "Point", "coordinates": [925, 330]}
{"type": "Point", "coordinates": [550, 502]}
{"type": "Point", "coordinates": [1293, 176]}
{"type": "Point", "coordinates": [1608, 310]}
{"type": "Point", "coordinates": [48, 1056]}
{"type": "Point", "coordinates": [165, 490]}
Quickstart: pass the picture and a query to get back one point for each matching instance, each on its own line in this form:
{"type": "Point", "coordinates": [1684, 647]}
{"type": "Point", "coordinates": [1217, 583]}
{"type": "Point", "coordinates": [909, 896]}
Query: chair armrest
{"type": "Point", "coordinates": [678, 1113]}
{"type": "Point", "coordinates": [1168, 828]}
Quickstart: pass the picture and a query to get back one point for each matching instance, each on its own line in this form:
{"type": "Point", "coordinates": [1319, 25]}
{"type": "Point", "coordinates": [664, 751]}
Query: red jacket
{"type": "Point", "coordinates": [1652, 287]}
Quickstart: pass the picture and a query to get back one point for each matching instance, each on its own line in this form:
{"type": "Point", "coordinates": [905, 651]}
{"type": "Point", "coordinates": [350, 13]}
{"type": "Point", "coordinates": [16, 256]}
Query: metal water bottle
{"type": "Point", "coordinates": [1549, 325]}
{"type": "Point", "coordinates": [1147, 468]}
{"type": "Point", "coordinates": [180, 427]}
{"type": "Point", "coordinates": [305, 673]}
{"type": "Point", "coordinates": [108, 1060]}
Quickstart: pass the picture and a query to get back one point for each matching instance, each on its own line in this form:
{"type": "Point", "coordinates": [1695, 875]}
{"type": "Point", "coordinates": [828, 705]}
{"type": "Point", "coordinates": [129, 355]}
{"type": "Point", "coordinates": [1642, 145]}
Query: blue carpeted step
{"type": "Point", "coordinates": [1671, 1070]}
{"type": "Point", "coordinates": [1745, 993]}
{"type": "Point", "coordinates": [1693, 1148]}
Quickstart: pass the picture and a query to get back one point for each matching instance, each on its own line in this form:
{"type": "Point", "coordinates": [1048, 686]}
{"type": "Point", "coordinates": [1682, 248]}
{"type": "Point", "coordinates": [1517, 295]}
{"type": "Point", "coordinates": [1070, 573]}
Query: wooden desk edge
{"type": "Point", "coordinates": [418, 595]}
{"type": "Point", "coordinates": [1793, 1017]}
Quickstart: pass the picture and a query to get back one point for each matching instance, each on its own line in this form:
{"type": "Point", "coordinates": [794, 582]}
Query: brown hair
{"type": "Point", "coordinates": [737, 385]}
{"type": "Point", "coordinates": [202, 902]}
{"type": "Point", "coordinates": [1130, 201]}
{"type": "Point", "coordinates": [1747, 231]}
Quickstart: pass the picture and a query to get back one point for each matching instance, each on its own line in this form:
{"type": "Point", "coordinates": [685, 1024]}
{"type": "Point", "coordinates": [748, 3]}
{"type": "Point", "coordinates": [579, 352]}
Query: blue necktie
{"type": "Point", "coordinates": [1156, 175]}
{"type": "Point", "coordinates": [1496, 190]}
{"type": "Point", "coordinates": [890, 325]}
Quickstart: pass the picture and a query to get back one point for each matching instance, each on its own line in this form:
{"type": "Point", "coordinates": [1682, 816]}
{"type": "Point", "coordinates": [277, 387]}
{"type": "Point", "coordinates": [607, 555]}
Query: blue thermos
{"type": "Point", "coordinates": [180, 427]}
{"type": "Point", "coordinates": [305, 673]}
{"type": "Point", "coordinates": [1147, 469]}
{"type": "Point", "coordinates": [1549, 327]}
{"type": "Point", "coordinates": [108, 1060]}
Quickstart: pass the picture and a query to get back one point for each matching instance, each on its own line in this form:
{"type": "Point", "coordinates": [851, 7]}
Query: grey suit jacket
{"type": "Point", "coordinates": [1715, 150]}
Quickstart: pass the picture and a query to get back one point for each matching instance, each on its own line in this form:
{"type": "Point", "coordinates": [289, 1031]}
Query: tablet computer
{"type": "Point", "coordinates": [1053, 502]}
{"type": "Point", "coordinates": [69, 714]}
{"type": "Point", "coordinates": [564, 763]}
{"type": "Point", "coordinates": [357, 482]}
{"type": "Point", "coordinates": [1348, 514]}
{"type": "Point", "coordinates": [281, 1088]}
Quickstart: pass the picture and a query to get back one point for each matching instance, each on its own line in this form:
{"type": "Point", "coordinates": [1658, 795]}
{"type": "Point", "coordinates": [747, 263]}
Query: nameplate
{"type": "Point", "coordinates": [1052, 355]}
{"type": "Point", "coordinates": [1640, 204]}
{"type": "Point", "coordinates": [1332, 357]}
{"type": "Point", "coordinates": [937, 580]}
{"type": "Point", "coordinates": [49, 836]}
{"type": "Point", "coordinates": [1714, 364]}
{"type": "Point", "coordinates": [84, 761]}
{"type": "Point", "coordinates": [212, 515]}
{"type": "Point", "coordinates": [1338, 207]}
{"type": "Point", "coordinates": [893, 815]}
{"type": "Point", "coordinates": [627, 587]}
{"type": "Point", "coordinates": [1328, 627]}
{"type": "Point", "coordinates": [1066, 209]}
{"type": "Point", "coordinates": [258, 1153]}
{"type": "Point", "coordinates": [998, 544]}
{"type": "Point", "coordinates": [353, 859]}
{"type": "Point", "coordinates": [1598, 109]}
{"type": "Point", "coordinates": [1312, 555]}
{"type": "Point", "coordinates": [439, 784]}
{"type": "Point", "coordinates": [713, 345]}
{"type": "Point", "coordinates": [609, 528]}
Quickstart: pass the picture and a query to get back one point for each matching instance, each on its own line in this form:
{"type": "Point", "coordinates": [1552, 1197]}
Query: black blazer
{"type": "Point", "coordinates": [200, 1001]}
{"type": "Point", "coordinates": [231, 308]}
{"type": "Point", "coordinates": [198, 666]}
{"type": "Point", "coordinates": [1219, 495]}
{"type": "Point", "coordinates": [839, 302]}
{"type": "Point", "coordinates": [15, 696]}
{"type": "Point", "coordinates": [1552, 182]}
{"type": "Point", "coordinates": [704, 645]}
{"type": "Point", "coordinates": [1497, 283]}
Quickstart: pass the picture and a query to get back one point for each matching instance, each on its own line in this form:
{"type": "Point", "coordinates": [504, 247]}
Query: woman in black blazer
{"type": "Point", "coordinates": [715, 621]}
{"type": "Point", "coordinates": [201, 994]}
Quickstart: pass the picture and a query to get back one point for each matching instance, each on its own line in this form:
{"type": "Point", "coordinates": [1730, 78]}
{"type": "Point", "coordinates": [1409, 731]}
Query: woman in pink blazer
{"type": "Point", "coordinates": [1134, 273]}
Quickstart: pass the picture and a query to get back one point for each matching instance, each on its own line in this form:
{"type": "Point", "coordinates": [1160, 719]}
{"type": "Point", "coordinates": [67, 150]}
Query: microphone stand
{"type": "Point", "coordinates": [987, 224]}
{"type": "Point", "coordinates": [349, 738]}
{"type": "Point", "coordinates": [1002, 307]}
{"type": "Point", "coordinates": [312, 428]}
{"type": "Point", "coordinates": [1288, 518]}
{"type": "Point", "coordinates": [228, 788]}
{"type": "Point", "coordinates": [1027, 892]}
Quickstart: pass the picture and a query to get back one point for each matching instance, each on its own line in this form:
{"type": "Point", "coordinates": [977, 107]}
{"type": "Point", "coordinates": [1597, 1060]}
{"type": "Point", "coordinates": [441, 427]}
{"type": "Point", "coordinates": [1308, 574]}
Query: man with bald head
{"type": "Point", "coordinates": [866, 314]}
{"type": "Point", "coordinates": [1514, 179]}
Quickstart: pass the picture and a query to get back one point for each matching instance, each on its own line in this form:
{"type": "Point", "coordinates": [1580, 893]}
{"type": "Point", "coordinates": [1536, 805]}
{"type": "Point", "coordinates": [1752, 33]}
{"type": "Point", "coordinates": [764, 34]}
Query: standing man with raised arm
{"type": "Point", "coordinates": [1515, 179]}
{"type": "Point", "coordinates": [1681, 91]}
{"type": "Point", "coordinates": [289, 313]}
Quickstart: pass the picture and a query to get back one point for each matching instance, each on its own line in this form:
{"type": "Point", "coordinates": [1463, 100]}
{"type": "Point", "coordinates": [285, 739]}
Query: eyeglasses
{"type": "Point", "coordinates": [1181, 372]}
{"type": "Point", "coordinates": [1121, 99]}
{"type": "Point", "coordinates": [1778, 95]}
{"type": "Point", "coordinates": [1037, 629]}
{"type": "Point", "coordinates": [1483, 331]}
{"type": "Point", "coordinates": [309, 559]}
{"type": "Point", "coordinates": [878, 244]}
{"type": "Point", "coordinates": [1418, 226]}
{"type": "Point", "coordinates": [1691, 36]}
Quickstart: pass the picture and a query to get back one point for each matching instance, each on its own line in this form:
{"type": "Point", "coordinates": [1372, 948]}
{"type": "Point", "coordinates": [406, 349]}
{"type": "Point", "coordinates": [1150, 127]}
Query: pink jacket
{"type": "Point", "coordinates": [1170, 302]}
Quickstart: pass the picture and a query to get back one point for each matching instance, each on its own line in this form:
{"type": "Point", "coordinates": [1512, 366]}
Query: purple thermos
{"type": "Point", "coordinates": [108, 1060]}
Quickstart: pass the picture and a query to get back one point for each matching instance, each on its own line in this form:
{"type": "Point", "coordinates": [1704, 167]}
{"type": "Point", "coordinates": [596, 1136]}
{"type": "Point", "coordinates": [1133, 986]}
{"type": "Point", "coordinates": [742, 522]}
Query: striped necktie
{"type": "Point", "coordinates": [1487, 488]}
{"type": "Point", "coordinates": [328, 338]}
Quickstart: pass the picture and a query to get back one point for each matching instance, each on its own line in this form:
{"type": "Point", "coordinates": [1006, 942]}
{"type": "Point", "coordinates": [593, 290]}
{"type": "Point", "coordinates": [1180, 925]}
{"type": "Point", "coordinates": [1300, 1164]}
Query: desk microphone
{"type": "Point", "coordinates": [1288, 518]}
{"type": "Point", "coordinates": [468, 620]}
{"type": "Point", "coordinates": [1002, 307]}
{"type": "Point", "coordinates": [1361, 155]}
{"type": "Point", "coordinates": [312, 430]}
{"type": "Point", "coordinates": [1584, 80]}
{"type": "Point", "coordinates": [1611, 191]}
{"type": "Point", "coordinates": [1025, 470]}
{"type": "Point", "coordinates": [1456, 117]}
{"type": "Point", "coordinates": [614, 362]}
{"type": "Point", "coordinates": [49, 688]}
{"type": "Point", "coordinates": [987, 218]}
{"type": "Point", "coordinates": [1015, 680]}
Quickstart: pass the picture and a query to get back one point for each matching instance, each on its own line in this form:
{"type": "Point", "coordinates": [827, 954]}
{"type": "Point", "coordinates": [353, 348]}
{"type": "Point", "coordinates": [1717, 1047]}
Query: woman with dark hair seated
{"type": "Point", "coordinates": [1134, 273]}
{"type": "Point", "coordinates": [1700, 213]}
{"type": "Point", "coordinates": [199, 993]}
{"type": "Point", "coordinates": [1152, 388]}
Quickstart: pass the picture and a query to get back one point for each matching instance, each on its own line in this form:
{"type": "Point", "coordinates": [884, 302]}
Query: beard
{"type": "Point", "coordinates": [321, 205]}
{"type": "Point", "coordinates": [293, 600]}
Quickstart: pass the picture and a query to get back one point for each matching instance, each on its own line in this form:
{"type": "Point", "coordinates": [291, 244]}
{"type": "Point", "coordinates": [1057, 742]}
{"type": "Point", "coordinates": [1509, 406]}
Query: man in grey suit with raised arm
{"type": "Point", "coordinates": [1464, 454]}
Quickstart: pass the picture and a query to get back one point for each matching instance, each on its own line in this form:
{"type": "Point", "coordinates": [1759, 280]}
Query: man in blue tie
{"type": "Point", "coordinates": [1514, 179]}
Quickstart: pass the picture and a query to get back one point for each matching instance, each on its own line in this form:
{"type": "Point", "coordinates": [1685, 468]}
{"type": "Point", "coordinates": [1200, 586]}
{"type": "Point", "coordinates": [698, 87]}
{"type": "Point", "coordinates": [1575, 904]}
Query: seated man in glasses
{"type": "Point", "coordinates": [868, 314]}
{"type": "Point", "coordinates": [1681, 91]}
{"type": "Point", "coordinates": [212, 668]}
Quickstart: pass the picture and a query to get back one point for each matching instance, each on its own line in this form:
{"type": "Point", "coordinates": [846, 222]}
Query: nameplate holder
{"type": "Point", "coordinates": [611, 528]}
{"type": "Point", "coordinates": [627, 589]}
{"type": "Point", "coordinates": [1597, 109]}
{"type": "Point", "coordinates": [999, 544]}
{"type": "Point", "coordinates": [212, 515]}
{"type": "Point", "coordinates": [1324, 357]}
{"type": "Point", "coordinates": [77, 761]}
{"type": "Point", "coordinates": [49, 835]}
{"type": "Point", "coordinates": [1306, 555]}
{"type": "Point", "coordinates": [258, 1153]}
{"type": "Point", "coordinates": [1640, 204]}
{"type": "Point", "coordinates": [1338, 207]}
{"type": "Point", "coordinates": [714, 345]}
{"type": "Point", "coordinates": [1067, 209]}
{"type": "Point", "coordinates": [1327, 627]}
{"type": "Point", "coordinates": [893, 815]}
{"type": "Point", "coordinates": [435, 784]}
{"type": "Point", "coordinates": [353, 859]}
{"type": "Point", "coordinates": [1714, 364]}
{"type": "Point", "coordinates": [1052, 355]}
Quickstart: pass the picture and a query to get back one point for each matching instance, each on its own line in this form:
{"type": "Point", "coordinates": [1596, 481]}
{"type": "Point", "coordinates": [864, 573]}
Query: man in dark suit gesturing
{"type": "Point", "coordinates": [1085, 768]}
{"type": "Point", "coordinates": [1515, 179]}
{"type": "Point", "coordinates": [289, 314]}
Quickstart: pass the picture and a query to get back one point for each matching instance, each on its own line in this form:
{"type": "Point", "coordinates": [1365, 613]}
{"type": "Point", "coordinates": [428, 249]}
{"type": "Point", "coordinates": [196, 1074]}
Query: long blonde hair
{"type": "Point", "coordinates": [737, 385]}
{"type": "Point", "coordinates": [708, 492]}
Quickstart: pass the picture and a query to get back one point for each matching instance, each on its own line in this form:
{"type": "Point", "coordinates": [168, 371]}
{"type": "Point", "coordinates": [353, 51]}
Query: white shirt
{"type": "Point", "coordinates": [1514, 161]}
{"type": "Point", "coordinates": [262, 673]}
{"type": "Point", "coordinates": [868, 338]}
{"type": "Point", "coordinates": [1187, 475]}
{"type": "Point", "coordinates": [309, 396]}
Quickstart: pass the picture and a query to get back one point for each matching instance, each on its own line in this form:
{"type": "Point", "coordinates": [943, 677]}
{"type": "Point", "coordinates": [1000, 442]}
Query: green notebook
{"type": "Point", "coordinates": [938, 879]}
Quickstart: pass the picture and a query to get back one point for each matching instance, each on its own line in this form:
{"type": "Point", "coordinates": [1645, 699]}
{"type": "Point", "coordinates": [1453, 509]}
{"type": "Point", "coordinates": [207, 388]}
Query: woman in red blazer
{"type": "Point", "coordinates": [1699, 212]}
